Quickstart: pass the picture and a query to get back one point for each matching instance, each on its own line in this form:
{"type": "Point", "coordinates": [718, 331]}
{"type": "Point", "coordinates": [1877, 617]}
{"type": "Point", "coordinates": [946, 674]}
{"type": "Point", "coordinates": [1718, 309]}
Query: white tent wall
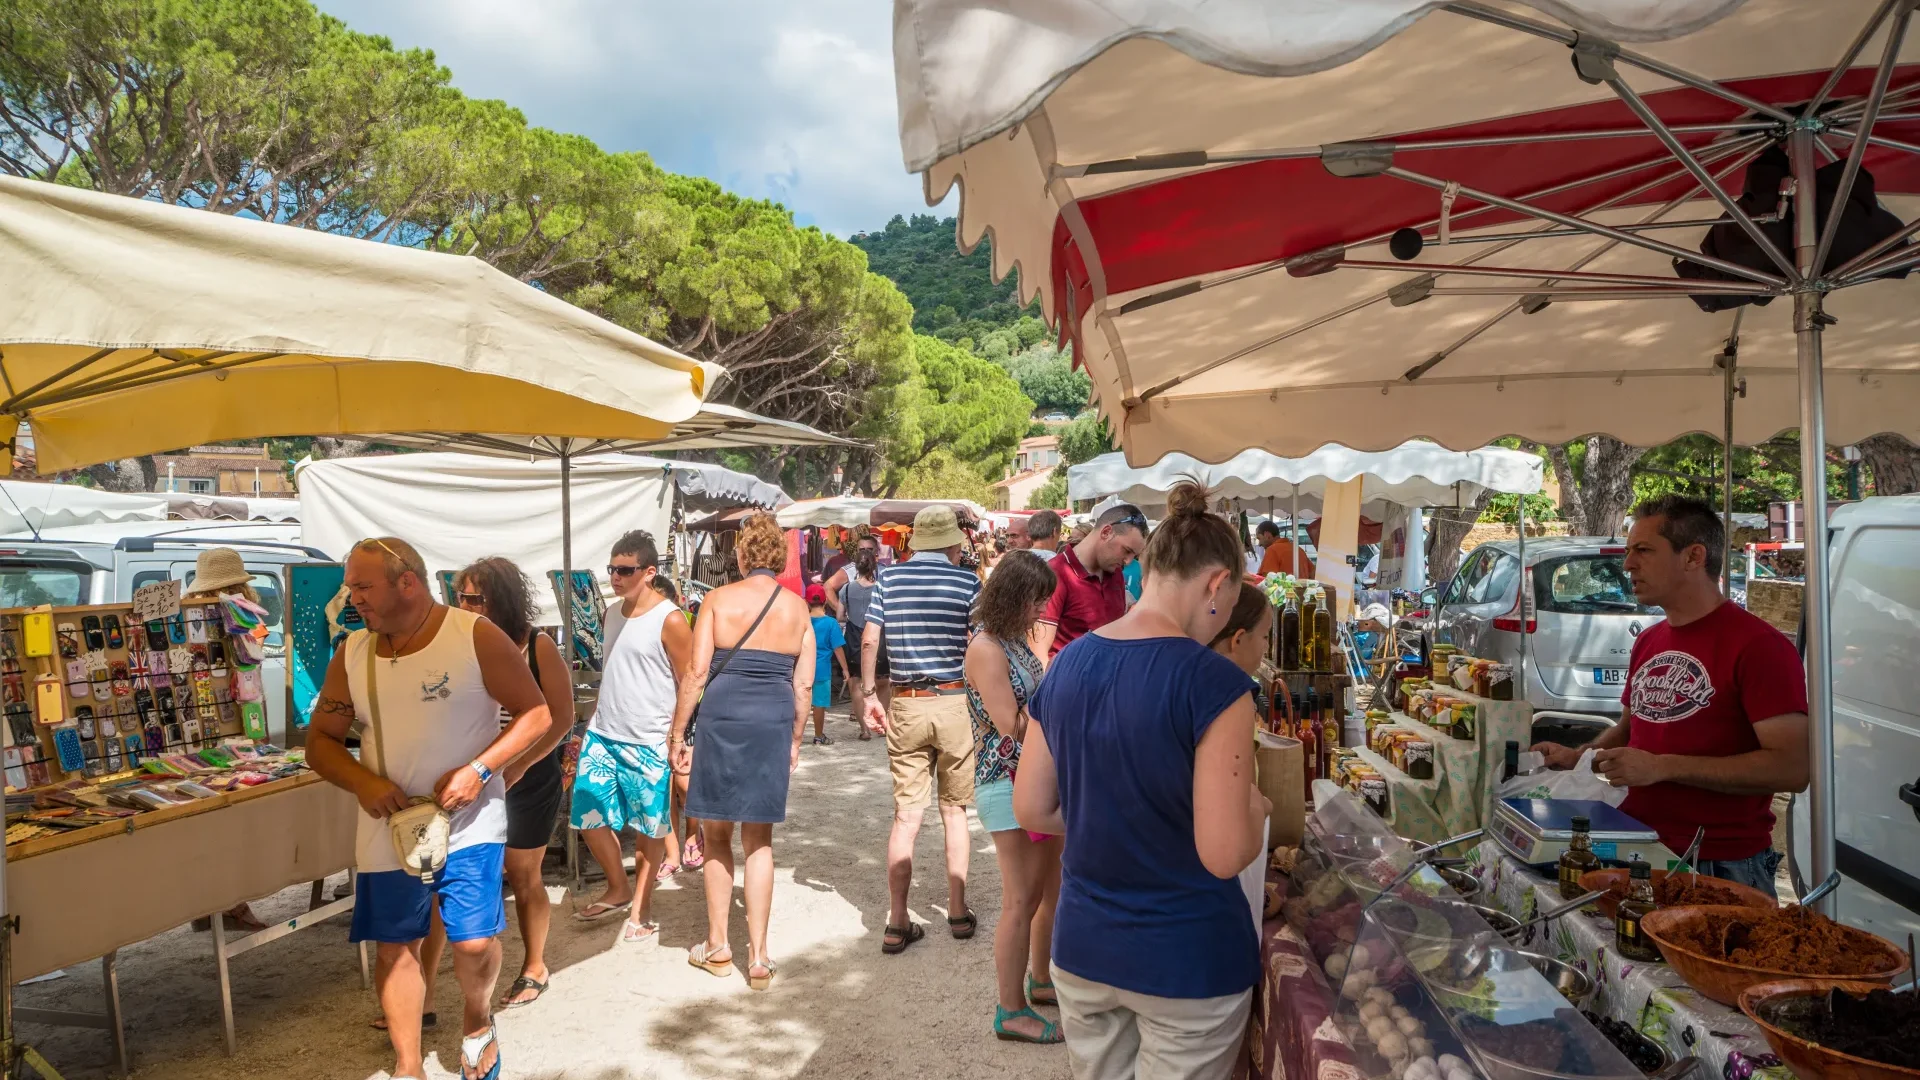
{"type": "Point", "coordinates": [456, 508]}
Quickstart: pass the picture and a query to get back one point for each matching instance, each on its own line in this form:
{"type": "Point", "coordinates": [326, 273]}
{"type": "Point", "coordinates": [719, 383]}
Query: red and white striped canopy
{"type": "Point", "coordinates": [1150, 167]}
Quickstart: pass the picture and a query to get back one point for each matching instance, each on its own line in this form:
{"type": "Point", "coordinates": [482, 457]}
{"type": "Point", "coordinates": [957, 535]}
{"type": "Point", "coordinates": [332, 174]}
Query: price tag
{"type": "Point", "coordinates": [156, 601]}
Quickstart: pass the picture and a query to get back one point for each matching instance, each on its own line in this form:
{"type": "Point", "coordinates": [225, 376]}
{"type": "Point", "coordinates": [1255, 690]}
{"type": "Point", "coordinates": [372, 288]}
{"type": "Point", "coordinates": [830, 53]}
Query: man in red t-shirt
{"type": "Point", "coordinates": [1090, 589]}
{"type": "Point", "coordinates": [1715, 709]}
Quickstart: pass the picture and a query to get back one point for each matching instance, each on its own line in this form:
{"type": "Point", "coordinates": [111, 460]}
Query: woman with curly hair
{"type": "Point", "coordinates": [1002, 673]}
{"type": "Point", "coordinates": [757, 687]}
{"type": "Point", "coordinates": [500, 591]}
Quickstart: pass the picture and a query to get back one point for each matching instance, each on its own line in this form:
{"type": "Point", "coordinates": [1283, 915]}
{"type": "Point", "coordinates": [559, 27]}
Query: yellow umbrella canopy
{"type": "Point", "coordinates": [129, 326]}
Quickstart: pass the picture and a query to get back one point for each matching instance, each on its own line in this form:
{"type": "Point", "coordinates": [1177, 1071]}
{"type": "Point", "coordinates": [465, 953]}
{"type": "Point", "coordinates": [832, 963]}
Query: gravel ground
{"type": "Point", "coordinates": [839, 1008]}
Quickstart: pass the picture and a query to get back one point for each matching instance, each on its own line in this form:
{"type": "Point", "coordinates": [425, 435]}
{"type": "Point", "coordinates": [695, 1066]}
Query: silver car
{"type": "Point", "coordinates": [1577, 638]}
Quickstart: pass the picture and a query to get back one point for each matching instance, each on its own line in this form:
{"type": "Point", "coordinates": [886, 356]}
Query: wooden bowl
{"type": "Point", "coordinates": [1612, 879]}
{"type": "Point", "coordinates": [1723, 980]}
{"type": "Point", "coordinates": [1812, 1061]}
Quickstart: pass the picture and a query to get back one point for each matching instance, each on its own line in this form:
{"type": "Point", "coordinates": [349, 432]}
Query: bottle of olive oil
{"type": "Point", "coordinates": [1578, 860]}
{"type": "Point", "coordinates": [1308, 608]}
{"type": "Point", "coordinates": [1632, 942]}
{"type": "Point", "coordinates": [1290, 635]}
{"type": "Point", "coordinates": [1323, 636]}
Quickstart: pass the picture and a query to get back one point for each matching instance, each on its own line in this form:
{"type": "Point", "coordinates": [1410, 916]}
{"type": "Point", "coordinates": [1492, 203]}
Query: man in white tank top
{"type": "Point", "coordinates": [441, 677]}
{"type": "Point", "coordinates": [624, 780]}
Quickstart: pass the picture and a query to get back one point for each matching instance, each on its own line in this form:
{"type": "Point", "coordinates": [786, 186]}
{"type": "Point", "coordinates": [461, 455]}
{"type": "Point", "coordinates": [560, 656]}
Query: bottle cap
{"type": "Point", "coordinates": [1639, 870]}
{"type": "Point", "coordinates": [1581, 824]}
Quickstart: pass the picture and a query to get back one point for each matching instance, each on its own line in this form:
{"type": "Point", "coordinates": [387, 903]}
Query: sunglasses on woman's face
{"type": "Point", "coordinates": [622, 571]}
{"type": "Point", "coordinates": [471, 599]}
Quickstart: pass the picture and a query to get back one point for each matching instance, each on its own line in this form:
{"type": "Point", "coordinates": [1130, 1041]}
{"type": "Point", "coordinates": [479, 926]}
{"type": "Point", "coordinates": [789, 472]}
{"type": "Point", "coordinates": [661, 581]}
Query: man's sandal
{"type": "Point", "coordinates": [1034, 988]}
{"type": "Point", "coordinates": [704, 960]}
{"type": "Point", "coordinates": [473, 1048]}
{"type": "Point", "coordinates": [598, 910]}
{"type": "Point", "coordinates": [520, 985]}
{"type": "Point", "coordinates": [964, 926]}
{"type": "Point", "coordinates": [427, 1022]}
{"type": "Point", "coordinates": [1049, 1031]}
{"type": "Point", "coordinates": [906, 936]}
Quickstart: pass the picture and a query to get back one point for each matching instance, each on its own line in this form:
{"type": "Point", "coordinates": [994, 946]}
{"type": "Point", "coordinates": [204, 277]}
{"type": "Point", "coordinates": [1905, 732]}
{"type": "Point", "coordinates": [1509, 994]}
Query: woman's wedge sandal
{"type": "Point", "coordinates": [761, 982]}
{"type": "Point", "coordinates": [1049, 1031]}
{"type": "Point", "coordinates": [699, 957]}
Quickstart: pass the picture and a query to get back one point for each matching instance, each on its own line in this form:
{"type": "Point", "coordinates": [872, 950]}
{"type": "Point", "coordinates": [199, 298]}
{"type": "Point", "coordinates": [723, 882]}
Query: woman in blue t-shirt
{"type": "Point", "coordinates": [1141, 755]}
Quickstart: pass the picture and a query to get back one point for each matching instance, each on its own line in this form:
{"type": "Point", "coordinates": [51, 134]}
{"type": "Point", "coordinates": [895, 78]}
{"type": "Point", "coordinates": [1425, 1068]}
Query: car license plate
{"type": "Point", "coordinates": [1609, 676]}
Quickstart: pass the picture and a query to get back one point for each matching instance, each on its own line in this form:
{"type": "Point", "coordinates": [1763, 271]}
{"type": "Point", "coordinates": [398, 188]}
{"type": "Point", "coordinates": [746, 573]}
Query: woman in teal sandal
{"type": "Point", "coordinates": [1001, 673]}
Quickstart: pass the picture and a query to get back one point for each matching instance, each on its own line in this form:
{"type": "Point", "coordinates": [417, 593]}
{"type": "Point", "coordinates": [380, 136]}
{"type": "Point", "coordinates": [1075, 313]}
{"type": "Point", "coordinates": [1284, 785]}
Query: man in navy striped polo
{"type": "Point", "coordinates": [923, 605]}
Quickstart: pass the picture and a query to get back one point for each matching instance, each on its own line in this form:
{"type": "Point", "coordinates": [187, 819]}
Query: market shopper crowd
{"type": "Point", "coordinates": [1105, 743]}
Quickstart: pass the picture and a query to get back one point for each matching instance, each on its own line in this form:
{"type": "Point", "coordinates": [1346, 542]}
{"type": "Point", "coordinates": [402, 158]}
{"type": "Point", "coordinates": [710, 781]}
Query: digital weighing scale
{"type": "Point", "coordinates": [1537, 832]}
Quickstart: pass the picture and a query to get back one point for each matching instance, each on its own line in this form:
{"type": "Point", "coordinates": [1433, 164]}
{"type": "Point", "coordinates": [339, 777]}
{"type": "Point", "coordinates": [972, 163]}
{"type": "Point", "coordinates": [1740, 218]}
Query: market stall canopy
{"type": "Point", "coordinates": [848, 511]}
{"type": "Point", "coordinates": [456, 508]}
{"type": "Point", "coordinates": [230, 508]}
{"type": "Point", "coordinates": [28, 506]}
{"type": "Point", "coordinates": [1215, 239]}
{"type": "Point", "coordinates": [128, 326]}
{"type": "Point", "coordinates": [714, 427]}
{"type": "Point", "coordinates": [1411, 474]}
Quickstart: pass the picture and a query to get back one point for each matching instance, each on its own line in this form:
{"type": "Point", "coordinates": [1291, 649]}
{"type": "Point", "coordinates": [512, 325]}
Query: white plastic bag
{"type": "Point", "coordinates": [1579, 782]}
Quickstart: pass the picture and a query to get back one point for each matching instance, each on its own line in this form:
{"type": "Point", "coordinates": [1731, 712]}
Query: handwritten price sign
{"type": "Point", "coordinates": [156, 601]}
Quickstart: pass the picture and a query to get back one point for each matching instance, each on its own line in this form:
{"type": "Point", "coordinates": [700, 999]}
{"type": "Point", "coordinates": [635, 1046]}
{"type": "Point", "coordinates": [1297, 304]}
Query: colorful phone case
{"type": "Point", "coordinates": [115, 762]}
{"type": "Point", "coordinates": [136, 637]}
{"type": "Point", "coordinates": [66, 743]}
{"type": "Point", "coordinates": [20, 724]}
{"type": "Point", "coordinates": [83, 717]}
{"type": "Point", "coordinates": [122, 678]}
{"type": "Point", "coordinates": [253, 720]}
{"type": "Point", "coordinates": [102, 684]}
{"type": "Point", "coordinates": [197, 626]}
{"type": "Point", "coordinates": [69, 640]}
{"type": "Point", "coordinates": [110, 624]}
{"type": "Point", "coordinates": [176, 629]}
{"type": "Point", "coordinates": [36, 633]}
{"type": "Point", "coordinates": [90, 627]}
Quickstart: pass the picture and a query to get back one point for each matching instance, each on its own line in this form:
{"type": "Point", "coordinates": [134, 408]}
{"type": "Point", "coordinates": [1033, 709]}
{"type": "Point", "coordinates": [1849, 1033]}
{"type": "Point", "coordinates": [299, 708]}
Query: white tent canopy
{"type": "Point", "coordinates": [714, 427]}
{"type": "Point", "coordinates": [1412, 474]}
{"type": "Point", "coordinates": [27, 506]}
{"type": "Point", "coordinates": [456, 508]}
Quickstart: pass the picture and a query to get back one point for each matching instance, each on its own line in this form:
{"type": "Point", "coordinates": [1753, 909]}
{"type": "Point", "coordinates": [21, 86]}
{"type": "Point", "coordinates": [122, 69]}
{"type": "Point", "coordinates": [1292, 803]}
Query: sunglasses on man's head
{"type": "Point", "coordinates": [1134, 518]}
{"type": "Point", "coordinates": [622, 571]}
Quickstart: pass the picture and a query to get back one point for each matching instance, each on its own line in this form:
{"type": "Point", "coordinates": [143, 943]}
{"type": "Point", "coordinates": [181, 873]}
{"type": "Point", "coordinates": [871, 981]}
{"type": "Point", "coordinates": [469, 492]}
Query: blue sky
{"type": "Point", "coordinates": [786, 101]}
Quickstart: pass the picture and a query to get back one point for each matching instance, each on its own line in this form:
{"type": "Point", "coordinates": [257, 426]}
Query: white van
{"type": "Point", "coordinates": [1876, 719]}
{"type": "Point", "coordinates": [103, 564]}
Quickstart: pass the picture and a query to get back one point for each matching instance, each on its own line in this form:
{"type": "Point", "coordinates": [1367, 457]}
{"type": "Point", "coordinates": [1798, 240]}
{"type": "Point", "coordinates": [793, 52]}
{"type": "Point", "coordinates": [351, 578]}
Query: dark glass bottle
{"type": "Point", "coordinates": [1309, 605]}
{"type": "Point", "coordinates": [1632, 941]}
{"type": "Point", "coordinates": [1290, 635]}
{"type": "Point", "coordinates": [1309, 737]}
{"type": "Point", "coordinates": [1511, 767]}
{"type": "Point", "coordinates": [1578, 860]}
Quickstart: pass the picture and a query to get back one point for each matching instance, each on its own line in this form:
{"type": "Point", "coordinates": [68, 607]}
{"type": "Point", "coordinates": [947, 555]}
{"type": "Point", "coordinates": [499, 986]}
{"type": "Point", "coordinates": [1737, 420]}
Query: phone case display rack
{"type": "Point", "coordinates": [88, 691]}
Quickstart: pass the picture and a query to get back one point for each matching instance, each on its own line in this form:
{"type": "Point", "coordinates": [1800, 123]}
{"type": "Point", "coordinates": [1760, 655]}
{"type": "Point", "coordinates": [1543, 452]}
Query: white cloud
{"type": "Point", "coordinates": [785, 101]}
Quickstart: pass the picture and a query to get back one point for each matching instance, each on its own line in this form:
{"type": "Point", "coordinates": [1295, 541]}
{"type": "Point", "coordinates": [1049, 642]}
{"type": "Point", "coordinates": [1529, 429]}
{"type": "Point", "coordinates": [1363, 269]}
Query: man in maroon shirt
{"type": "Point", "coordinates": [1090, 589]}
{"type": "Point", "coordinates": [1715, 709]}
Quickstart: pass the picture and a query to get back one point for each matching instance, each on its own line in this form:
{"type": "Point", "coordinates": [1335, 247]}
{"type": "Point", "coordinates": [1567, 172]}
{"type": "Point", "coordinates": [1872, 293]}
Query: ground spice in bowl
{"type": "Point", "coordinates": [1792, 939]}
{"type": "Point", "coordinates": [1677, 890]}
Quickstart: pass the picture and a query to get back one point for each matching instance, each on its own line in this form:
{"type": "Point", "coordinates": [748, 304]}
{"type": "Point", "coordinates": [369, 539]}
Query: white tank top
{"type": "Point", "coordinates": [637, 687]}
{"type": "Point", "coordinates": [435, 716]}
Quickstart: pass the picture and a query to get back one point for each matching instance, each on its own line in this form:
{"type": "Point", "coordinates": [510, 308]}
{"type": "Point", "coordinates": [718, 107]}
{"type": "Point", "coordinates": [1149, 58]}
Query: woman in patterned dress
{"type": "Point", "coordinates": [1002, 673]}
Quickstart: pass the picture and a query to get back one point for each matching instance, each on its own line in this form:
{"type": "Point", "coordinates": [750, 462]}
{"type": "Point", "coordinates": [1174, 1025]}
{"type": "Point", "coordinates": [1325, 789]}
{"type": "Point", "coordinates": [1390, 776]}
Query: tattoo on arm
{"type": "Point", "coordinates": [334, 705]}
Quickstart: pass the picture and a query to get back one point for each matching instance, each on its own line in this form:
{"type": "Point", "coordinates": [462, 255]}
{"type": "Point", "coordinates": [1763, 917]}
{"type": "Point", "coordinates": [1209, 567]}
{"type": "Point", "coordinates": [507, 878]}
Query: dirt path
{"type": "Point", "coordinates": [839, 1009]}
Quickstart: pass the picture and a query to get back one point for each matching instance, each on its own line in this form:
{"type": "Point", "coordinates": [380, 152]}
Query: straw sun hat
{"type": "Point", "coordinates": [219, 568]}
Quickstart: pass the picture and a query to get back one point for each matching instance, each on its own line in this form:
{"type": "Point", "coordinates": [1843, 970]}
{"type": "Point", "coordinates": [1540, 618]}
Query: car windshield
{"type": "Point", "coordinates": [1586, 585]}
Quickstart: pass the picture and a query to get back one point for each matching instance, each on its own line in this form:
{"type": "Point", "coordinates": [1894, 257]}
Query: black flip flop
{"type": "Point", "coordinates": [964, 926]}
{"type": "Point", "coordinates": [519, 984]}
{"type": "Point", "coordinates": [907, 934]}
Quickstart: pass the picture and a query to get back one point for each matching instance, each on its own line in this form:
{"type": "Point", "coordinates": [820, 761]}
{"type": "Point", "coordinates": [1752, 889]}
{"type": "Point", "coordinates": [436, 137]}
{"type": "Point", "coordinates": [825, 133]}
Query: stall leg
{"type": "Point", "coordinates": [226, 979]}
{"type": "Point", "coordinates": [110, 979]}
{"type": "Point", "coordinates": [366, 973]}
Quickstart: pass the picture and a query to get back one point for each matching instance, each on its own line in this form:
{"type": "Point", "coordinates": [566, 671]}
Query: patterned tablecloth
{"type": "Point", "coordinates": [1650, 996]}
{"type": "Point", "coordinates": [1291, 1035]}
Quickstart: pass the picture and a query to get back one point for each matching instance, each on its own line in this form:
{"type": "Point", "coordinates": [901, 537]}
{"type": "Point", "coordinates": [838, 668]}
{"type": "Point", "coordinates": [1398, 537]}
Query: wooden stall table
{"type": "Point", "coordinates": [90, 892]}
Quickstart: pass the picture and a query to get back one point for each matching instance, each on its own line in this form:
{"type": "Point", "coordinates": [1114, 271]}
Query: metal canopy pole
{"type": "Point", "coordinates": [1729, 362]}
{"type": "Point", "coordinates": [1293, 529]}
{"type": "Point", "coordinates": [1808, 322]}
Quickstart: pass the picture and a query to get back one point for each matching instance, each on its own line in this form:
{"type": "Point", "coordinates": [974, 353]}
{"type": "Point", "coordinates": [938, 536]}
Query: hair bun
{"type": "Point", "coordinates": [1188, 500]}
